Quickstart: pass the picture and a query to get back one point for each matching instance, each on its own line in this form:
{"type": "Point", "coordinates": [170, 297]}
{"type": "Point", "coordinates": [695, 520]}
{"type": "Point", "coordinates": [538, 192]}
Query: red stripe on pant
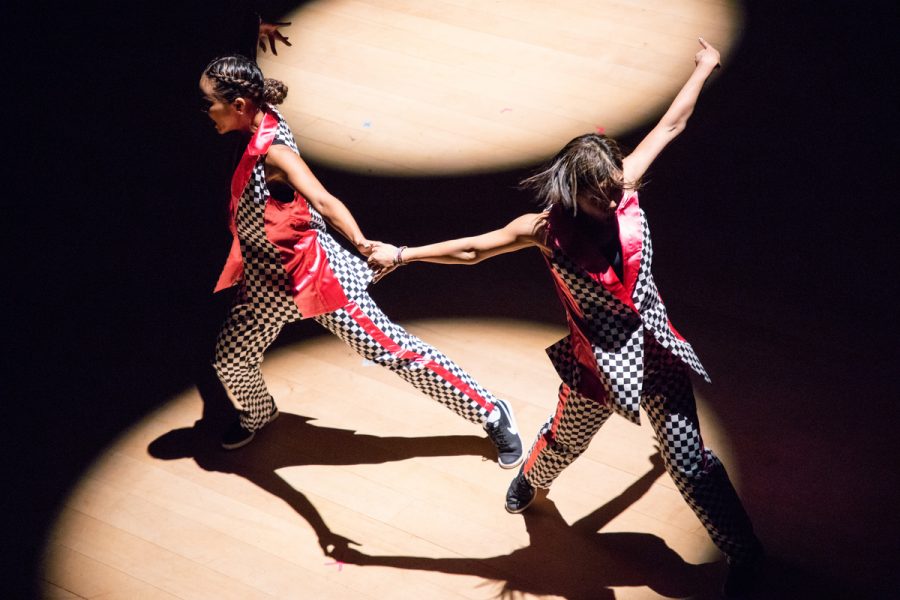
{"type": "Point", "coordinates": [363, 320]}
{"type": "Point", "coordinates": [541, 443]}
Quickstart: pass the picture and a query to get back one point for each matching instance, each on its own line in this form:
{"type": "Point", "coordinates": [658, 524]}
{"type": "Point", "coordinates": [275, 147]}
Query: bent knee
{"type": "Point", "coordinates": [692, 465]}
{"type": "Point", "coordinates": [563, 448]}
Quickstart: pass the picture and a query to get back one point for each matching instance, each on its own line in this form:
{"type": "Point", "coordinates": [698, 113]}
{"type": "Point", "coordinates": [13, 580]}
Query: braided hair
{"type": "Point", "coordinates": [237, 76]}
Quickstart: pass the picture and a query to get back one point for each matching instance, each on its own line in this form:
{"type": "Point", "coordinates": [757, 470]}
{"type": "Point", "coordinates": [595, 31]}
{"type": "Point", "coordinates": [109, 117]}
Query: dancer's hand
{"type": "Point", "coordinates": [708, 56]}
{"type": "Point", "coordinates": [381, 273]}
{"type": "Point", "coordinates": [365, 246]}
{"type": "Point", "coordinates": [352, 556]}
{"type": "Point", "coordinates": [383, 260]}
{"type": "Point", "coordinates": [383, 256]}
{"type": "Point", "coordinates": [269, 31]}
{"type": "Point", "coordinates": [335, 545]}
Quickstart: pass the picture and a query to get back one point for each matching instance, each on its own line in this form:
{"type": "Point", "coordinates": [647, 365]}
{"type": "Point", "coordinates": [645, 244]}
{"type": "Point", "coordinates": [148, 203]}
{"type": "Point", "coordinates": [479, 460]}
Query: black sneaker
{"type": "Point", "coordinates": [236, 436]}
{"type": "Point", "coordinates": [520, 494]}
{"type": "Point", "coordinates": [743, 576]}
{"type": "Point", "coordinates": [505, 435]}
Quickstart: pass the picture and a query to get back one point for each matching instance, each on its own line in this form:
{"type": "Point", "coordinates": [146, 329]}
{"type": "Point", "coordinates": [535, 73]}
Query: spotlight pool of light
{"type": "Point", "coordinates": [425, 87]}
{"type": "Point", "coordinates": [164, 512]}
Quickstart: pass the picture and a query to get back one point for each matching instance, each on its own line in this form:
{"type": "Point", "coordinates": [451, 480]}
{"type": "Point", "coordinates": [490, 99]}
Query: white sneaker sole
{"type": "Point", "coordinates": [249, 439]}
{"type": "Point", "coordinates": [512, 421]}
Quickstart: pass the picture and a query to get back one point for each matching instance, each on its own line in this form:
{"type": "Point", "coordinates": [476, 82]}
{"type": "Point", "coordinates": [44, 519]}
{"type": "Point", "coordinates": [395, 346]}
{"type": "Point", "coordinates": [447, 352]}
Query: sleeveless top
{"type": "Point", "coordinates": [608, 317]}
{"type": "Point", "coordinates": [281, 251]}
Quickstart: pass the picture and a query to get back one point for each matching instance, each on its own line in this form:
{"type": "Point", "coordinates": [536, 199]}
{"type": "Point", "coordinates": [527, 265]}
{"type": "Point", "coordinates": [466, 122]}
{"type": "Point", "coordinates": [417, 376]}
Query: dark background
{"type": "Point", "coordinates": [773, 224]}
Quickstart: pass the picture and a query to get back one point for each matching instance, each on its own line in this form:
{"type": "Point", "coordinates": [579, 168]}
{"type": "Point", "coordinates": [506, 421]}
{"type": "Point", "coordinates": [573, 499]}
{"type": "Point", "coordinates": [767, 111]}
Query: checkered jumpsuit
{"type": "Point", "coordinates": [622, 354]}
{"type": "Point", "coordinates": [266, 301]}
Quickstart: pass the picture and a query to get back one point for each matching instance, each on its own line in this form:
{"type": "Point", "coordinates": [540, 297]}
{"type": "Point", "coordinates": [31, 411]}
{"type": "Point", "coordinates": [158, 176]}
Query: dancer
{"type": "Point", "coordinates": [288, 267]}
{"type": "Point", "coordinates": [622, 352]}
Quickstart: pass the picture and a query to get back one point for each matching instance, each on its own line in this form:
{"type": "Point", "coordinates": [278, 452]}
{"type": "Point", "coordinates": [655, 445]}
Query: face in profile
{"type": "Point", "coordinates": [224, 114]}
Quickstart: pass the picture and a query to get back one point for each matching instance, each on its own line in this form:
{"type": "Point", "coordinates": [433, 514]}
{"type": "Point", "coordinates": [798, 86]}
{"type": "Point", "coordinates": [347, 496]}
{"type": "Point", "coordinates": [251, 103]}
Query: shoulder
{"type": "Point", "coordinates": [529, 224]}
{"type": "Point", "coordinates": [282, 155]}
{"type": "Point", "coordinates": [283, 134]}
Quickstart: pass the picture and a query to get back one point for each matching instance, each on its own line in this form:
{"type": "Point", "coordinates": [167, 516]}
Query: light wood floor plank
{"type": "Point", "coordinates": [401, 86]}
{"type": "Point", "coordinates": [360, 455]}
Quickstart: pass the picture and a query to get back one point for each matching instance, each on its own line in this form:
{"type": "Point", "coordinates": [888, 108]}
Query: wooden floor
{"type": "Point", "coordinates": [780, 300]}
{"type": "Point", "coordinates": [402, 87]}
{"type": "Point", "coordinates": [412, 87]}
{"type": "Point", "coordinates": [358, 455]}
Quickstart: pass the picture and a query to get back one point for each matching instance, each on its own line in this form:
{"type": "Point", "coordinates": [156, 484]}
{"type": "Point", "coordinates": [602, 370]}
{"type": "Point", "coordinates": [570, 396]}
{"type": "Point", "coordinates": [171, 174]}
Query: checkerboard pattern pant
{"type": "Point", "coordinates": [247, 333]}
{"type": "Point", "coordinates": [698, 474]}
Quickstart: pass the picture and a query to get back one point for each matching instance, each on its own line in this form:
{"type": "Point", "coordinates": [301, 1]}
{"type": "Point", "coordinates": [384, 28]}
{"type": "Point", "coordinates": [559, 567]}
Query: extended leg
{"type": "Point", "coordinates": [564, 437]}
{"type": "Point", "coordinates": [366, 329]}
{"type": "Point", "coordinates": [698, 473]}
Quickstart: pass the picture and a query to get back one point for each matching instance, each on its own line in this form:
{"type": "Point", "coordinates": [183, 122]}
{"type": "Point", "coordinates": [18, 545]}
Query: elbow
{"type": "Point", "coordinates": [323, 203]}
{"type": "Point", "coordinates": [323, 208]}
{"type": "Point", "coordinates": [674, 129]}
{"type": "Point", "coordinates": [470, 256]}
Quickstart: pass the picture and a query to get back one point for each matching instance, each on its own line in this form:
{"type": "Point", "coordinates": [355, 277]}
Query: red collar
{"type": "Point", "coordinates": [258, 145]}
{"type": "Point", "coordinates": [261, 141]}
{"type": "Point", "coordinates": [565, 237]}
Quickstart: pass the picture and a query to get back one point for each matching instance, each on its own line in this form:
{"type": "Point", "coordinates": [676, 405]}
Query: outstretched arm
{"type": "Point", "coordinates": [675, 119]}
{"type": "Point", "coordinates": [301, 178]}
{"type": "Point", "coordinates": [520, 233]}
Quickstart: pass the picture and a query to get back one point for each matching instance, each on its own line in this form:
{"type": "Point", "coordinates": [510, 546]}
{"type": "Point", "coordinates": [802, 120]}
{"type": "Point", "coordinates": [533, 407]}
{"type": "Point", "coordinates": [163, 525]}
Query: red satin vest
{"type": "Point", "coordinates": [314, 287]}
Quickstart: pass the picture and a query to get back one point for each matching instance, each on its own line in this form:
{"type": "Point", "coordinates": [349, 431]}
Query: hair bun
{"type": "Point", "coordinates": [274, 91]}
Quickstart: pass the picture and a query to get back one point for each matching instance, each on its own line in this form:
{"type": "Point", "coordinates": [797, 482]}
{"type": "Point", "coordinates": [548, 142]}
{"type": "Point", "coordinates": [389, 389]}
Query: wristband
{"type": "Point", "coordinates": [398, 258]}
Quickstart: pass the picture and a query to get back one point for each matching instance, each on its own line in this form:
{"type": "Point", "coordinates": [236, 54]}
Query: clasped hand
{"type": "Point", "coordinates": [381, 259]}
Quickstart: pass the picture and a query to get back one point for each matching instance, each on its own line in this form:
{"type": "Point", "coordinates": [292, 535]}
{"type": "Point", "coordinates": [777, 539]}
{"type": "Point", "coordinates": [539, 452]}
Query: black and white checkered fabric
{"type": "Point", "coordinates": [412, 359]}
{"type": "Point", "coordinates": [616, 332]}
{"type": "Point", "coordinates": [284, 135]}
{"type": "Point", "coordinates": [264, 305]}
{"type": "Point", "coordinates": [668, 398]}
{"type": "Point", "coordinates": [575, 421]}
{"type": "Point", "coordinates": [353, 272]}
{"type": "Point", "coordinates": [266, 284]}
{"type": "Point", "coordinates": [640, 363]}
{"type": "Point", "coordinates": [242, 340]}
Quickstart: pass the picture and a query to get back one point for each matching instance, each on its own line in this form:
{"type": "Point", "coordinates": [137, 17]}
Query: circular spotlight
{"type": "Point", "coordinates": [358, 454]}
{"type": "Point", "coordinates": [408, 87]}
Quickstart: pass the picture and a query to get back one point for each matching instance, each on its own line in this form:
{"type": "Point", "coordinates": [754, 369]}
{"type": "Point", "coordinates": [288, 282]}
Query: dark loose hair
{"type": "Point", "coordinates": [237, 76]}
{"type": "Point", "coordinates": [591, 163]}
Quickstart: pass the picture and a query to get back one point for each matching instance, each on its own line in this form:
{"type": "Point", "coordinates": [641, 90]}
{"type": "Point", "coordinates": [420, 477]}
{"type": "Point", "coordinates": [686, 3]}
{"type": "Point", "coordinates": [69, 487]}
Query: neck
{"type": "Point", "coordinates": [256, 120]}
{"type": "Point", "coordinates": [600, 230]}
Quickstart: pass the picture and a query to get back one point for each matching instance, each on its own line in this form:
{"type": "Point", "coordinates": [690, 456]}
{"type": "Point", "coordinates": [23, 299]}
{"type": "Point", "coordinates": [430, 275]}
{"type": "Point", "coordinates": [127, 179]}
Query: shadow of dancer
{"type": "Point", "coordinates": [291, 440]}
{"type": "Point", "coordinates": [575, 561]}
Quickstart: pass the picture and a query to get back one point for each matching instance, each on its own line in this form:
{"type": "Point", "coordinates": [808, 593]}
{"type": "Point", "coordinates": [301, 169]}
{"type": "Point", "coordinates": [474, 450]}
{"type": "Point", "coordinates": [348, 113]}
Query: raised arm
{"type": "Point", "coordinates": [519, 233]}
{"type": "Point", "coordinates": [301, 178]}
{"type": "Point", "coordinates": [674, 120]}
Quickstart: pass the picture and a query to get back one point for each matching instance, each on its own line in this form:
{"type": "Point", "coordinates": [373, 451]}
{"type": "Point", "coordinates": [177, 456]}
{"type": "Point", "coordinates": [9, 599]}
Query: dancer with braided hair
{"type": "Point", "coordinates": [622, 352]}
{"type": "Point", "coordinates": [288, 267]}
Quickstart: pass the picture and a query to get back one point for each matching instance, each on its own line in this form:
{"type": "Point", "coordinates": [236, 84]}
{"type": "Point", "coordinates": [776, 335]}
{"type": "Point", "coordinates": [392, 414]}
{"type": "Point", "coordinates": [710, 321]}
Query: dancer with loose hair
{"type": "Point", "coordinates": [288, 267]}
{"type": "Point", "coordinates": [622, 353]}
